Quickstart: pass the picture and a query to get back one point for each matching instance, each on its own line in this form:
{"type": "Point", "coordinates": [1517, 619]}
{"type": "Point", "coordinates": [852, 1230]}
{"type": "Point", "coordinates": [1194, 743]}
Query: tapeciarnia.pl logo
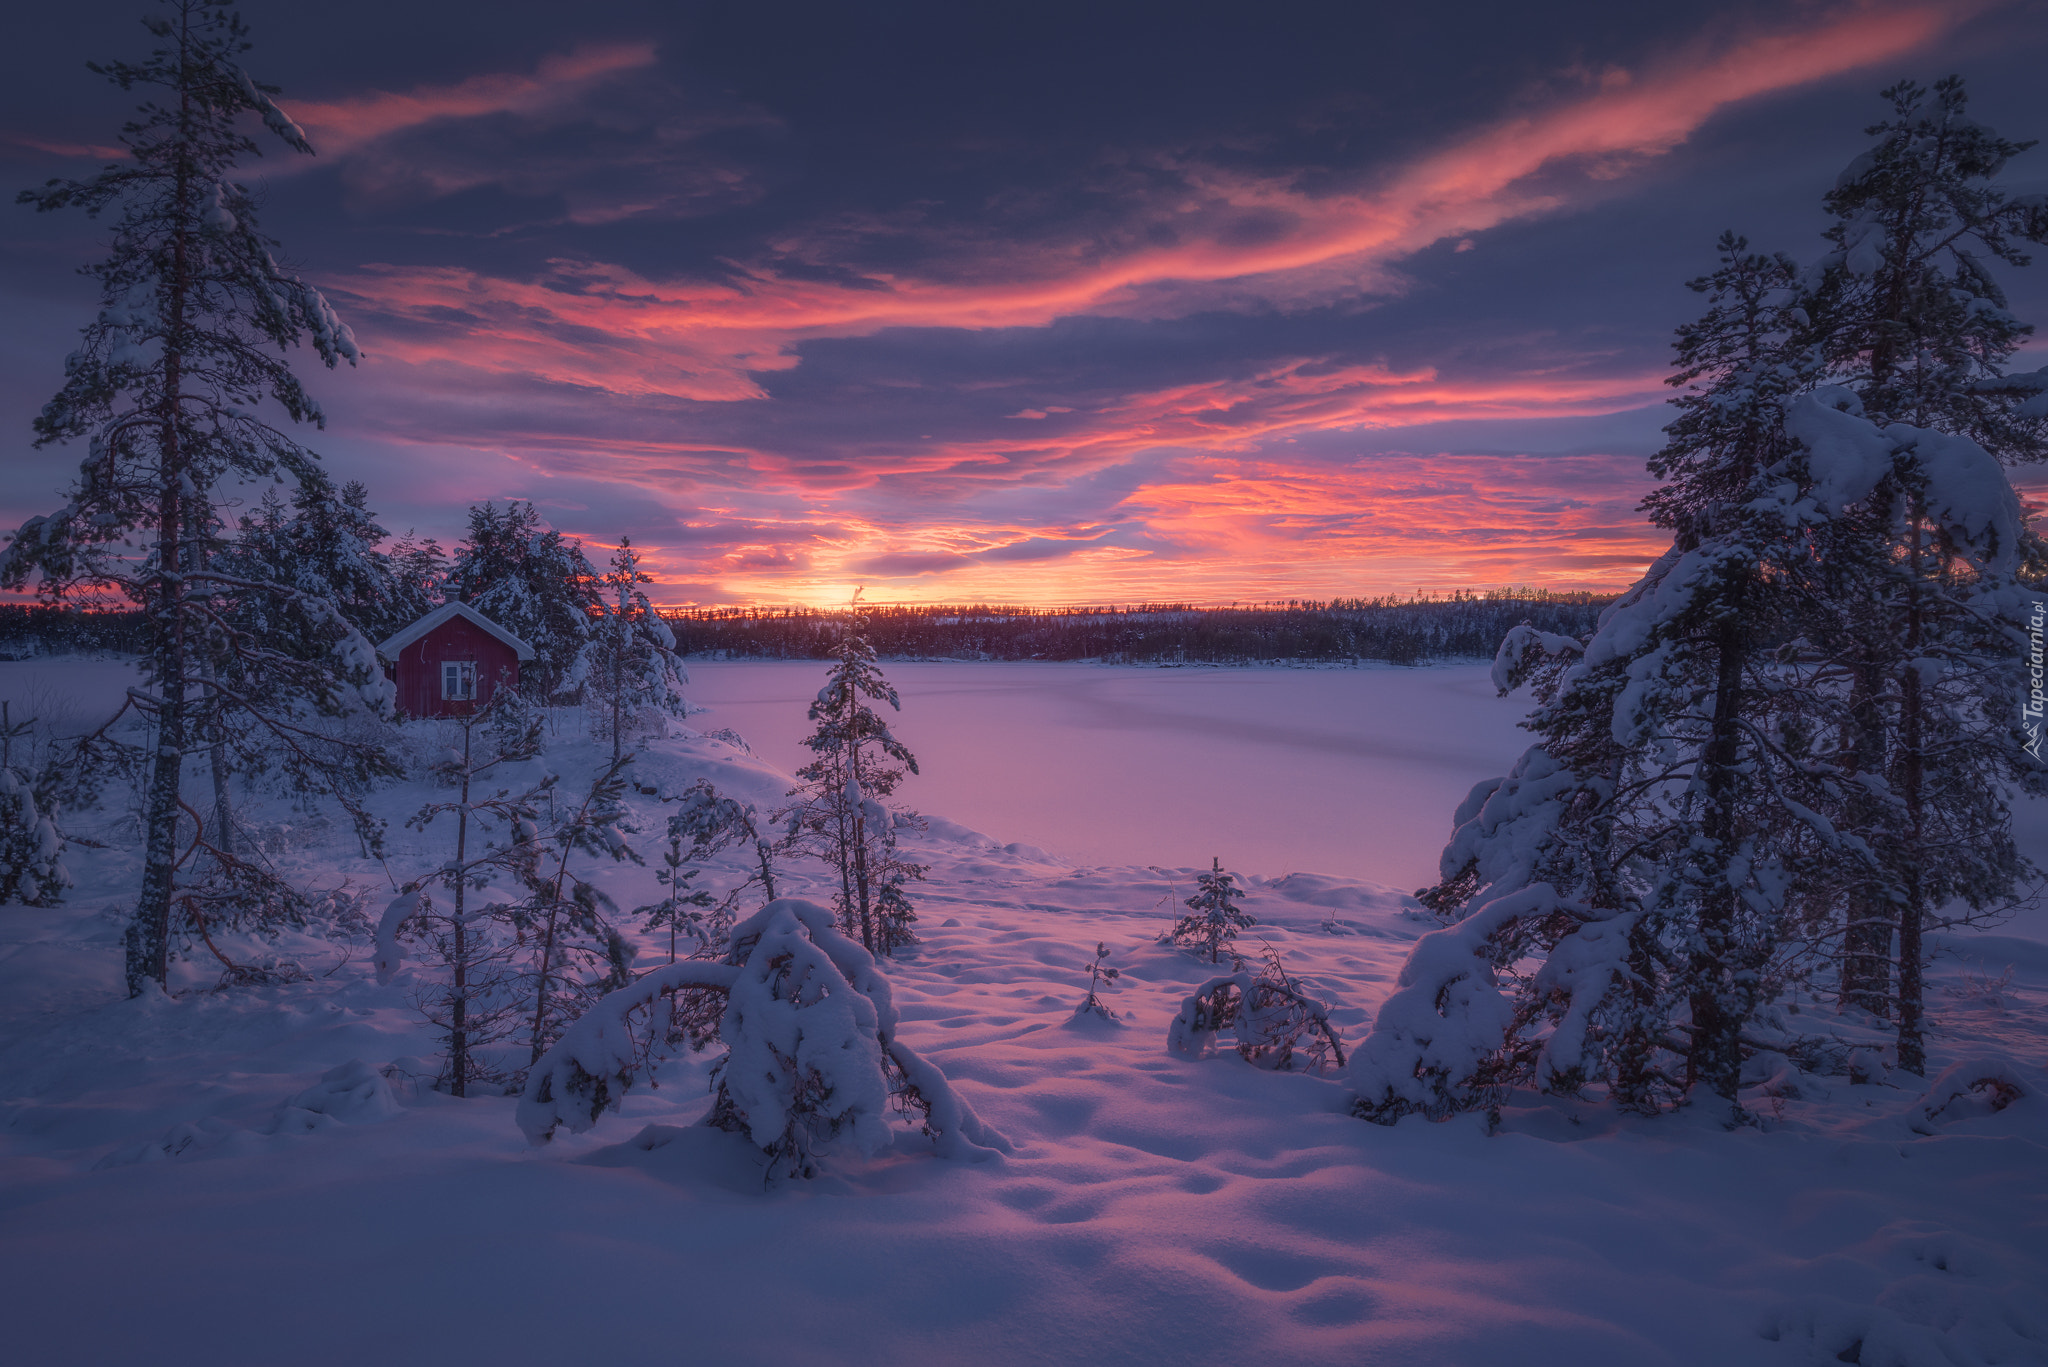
{"type": "Point", "coordinates": [2036, 696]}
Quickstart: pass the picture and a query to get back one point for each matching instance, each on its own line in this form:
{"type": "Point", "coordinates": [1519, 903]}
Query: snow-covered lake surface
{"type": "Point", "coordinates": [1337, 771]}
{"type": "Point", "coordinates": [179, 1185]}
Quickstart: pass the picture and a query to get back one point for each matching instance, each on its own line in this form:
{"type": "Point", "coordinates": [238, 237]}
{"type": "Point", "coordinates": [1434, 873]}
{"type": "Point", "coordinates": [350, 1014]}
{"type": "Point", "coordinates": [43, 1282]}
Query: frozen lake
{"type": "Point", "coordinates": [1343, 771]}
{"type": "Point", "coordinates": [1353, 772]}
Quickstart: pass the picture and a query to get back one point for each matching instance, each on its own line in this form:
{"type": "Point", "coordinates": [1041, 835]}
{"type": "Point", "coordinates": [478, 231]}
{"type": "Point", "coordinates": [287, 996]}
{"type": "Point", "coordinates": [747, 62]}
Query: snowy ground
{"type": "Point", "coordinates": [1157, 1209]}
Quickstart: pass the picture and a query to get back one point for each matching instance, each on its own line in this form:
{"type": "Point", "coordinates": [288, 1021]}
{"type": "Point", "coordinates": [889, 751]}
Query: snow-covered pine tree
{"type": "Point", "coordinates": [469, 945]}
{"type": "Point", "coordinates": [837, 814]}
{"type": "Point", "coordinates": [1910, 319]}
{"type": "Point", "coordinates": [323, 541]}
{"type": "Point", "coordinates": [1643, 852]}
{"type": "Point", "coordinates": [633, 663]}
{"type": "Point", "coordinates": [538, 585]}
{"type": "Point", "coordinates": [813, 1059]}
{"type": "Point", "coordinates": [1214, 917]}
{"type": "Point", "coordinates": [194, 312]}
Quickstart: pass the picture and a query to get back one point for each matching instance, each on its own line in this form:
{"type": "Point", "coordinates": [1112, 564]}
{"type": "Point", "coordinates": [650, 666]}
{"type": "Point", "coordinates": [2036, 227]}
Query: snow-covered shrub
{"type": "Point", "coordinates": [31, 847]}
{"type": "Point", "coordinates": [1213, 918]}
{"type": "Point", "coordinates": [812, 1063]}
{"type": "Point", "coordinates": [1276, 1023]}
{"type": "Point", "coordinates": [1970, 1089]}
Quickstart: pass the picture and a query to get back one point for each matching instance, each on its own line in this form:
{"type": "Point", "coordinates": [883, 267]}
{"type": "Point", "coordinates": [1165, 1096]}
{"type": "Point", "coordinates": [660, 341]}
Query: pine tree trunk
{"type": "Point", "coordinates": [618, 676]}
{"type": "Point", "coordinates": [860, 882]}
{"type": "Point", "coordinates": [223, 815]}
{"type": "Point", "coordinates": [458, 990]}
{"type": "Point", "coordinates": [547, 955]}
{"type": "Point", "coordinates": [1867, 919]}
{"type": "Point", "coordinates": [1912, 728]}
{"type": "Point", "coordinates": [1720, 998]}
{"type": "Point", "coordinates": [149, 935]}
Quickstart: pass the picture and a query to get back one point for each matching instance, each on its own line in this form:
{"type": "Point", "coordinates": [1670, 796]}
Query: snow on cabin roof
{"type": "Point", "coordinates": [399, 640]}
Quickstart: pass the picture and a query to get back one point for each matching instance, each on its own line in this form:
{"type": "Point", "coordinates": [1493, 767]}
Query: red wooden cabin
{"type": "Point", "coordinates": [452, 662]}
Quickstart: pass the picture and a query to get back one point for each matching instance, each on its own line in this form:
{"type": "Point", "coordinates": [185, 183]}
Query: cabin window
{"type": "Point", "coordinates": [458, 680]}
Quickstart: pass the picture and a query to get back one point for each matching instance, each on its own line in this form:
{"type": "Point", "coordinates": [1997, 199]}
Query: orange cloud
{"type": "Point", "coordinates": [1219, 530]}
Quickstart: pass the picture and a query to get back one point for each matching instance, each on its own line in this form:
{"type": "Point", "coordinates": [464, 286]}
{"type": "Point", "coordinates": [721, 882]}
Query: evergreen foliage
{"type": "Point", "coordinates": [710, 821]}
{"type": "Point", "coordinates": [324, 541]}
{"type": "Point", "coordinates": [682, 907]}
{"type": "Point", "coordinates": [576, 950]}
{"type": "Point", "coordinates": [1100, 977]}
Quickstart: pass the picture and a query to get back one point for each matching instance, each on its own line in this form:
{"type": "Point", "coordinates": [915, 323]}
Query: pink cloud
{"type": "Point", "coordinates": [340, 126]}
{"type": "Point", "coordinates": [705, 340]}
{"type": "Point", "coordinates": [1229, 520]}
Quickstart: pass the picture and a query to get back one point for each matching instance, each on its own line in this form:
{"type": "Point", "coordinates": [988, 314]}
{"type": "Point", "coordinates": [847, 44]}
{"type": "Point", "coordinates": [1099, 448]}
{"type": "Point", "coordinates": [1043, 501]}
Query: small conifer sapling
{"type": "Point", "coordinates": [1214, 917]}
{"type": "Point", "coordinates": [1100, 976]}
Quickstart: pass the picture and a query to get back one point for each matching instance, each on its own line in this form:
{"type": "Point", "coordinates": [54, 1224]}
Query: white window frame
{"type": "Point", "coordinates": [458, 680]}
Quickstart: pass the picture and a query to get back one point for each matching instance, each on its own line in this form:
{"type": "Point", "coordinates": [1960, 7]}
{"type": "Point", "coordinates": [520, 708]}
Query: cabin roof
{"type": "Point", "coordinates": [392, 646]}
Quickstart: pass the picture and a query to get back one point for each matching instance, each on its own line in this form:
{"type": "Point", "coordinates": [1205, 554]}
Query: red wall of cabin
{"type": "Point", "coordinates": [418, 670]}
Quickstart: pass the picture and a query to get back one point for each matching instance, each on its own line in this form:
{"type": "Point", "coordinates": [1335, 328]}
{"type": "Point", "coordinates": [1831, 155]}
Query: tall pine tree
{"type": "Point", "coordinates": [195, 321]}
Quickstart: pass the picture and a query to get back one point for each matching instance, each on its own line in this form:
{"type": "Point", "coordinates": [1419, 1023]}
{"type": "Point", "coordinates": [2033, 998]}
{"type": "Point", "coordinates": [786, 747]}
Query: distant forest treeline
{"type": "Point", "coordinates": [1399, 630]}
{"type": "Point", "coordinates": [31, 629]}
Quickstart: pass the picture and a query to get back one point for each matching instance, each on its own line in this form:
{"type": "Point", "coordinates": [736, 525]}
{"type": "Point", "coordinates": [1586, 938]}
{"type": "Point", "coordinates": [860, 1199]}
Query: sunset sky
{"type": "Point", "coordinates": [1037, 303]}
